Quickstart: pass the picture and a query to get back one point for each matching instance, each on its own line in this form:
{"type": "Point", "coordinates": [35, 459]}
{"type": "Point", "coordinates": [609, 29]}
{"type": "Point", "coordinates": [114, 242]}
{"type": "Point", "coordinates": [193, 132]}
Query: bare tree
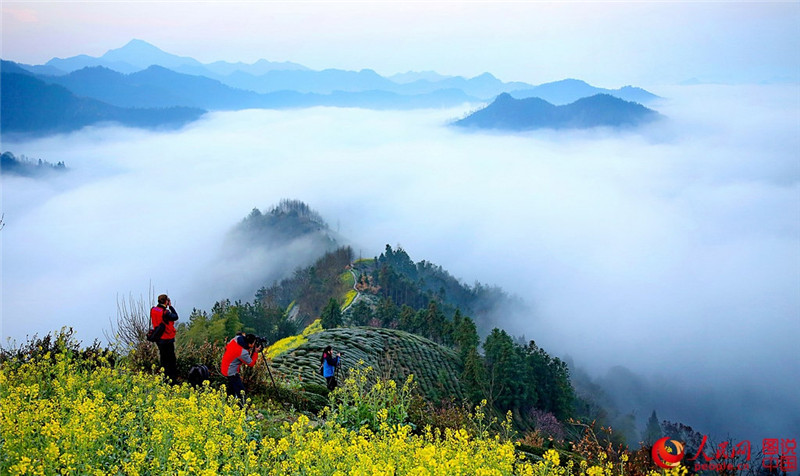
{"type": "Point", "coordinates": [133, 321]}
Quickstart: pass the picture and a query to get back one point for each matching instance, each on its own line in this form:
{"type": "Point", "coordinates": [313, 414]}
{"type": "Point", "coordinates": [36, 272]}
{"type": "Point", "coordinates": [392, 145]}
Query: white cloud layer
{"type": "Point", "coordinates": [673, 251]}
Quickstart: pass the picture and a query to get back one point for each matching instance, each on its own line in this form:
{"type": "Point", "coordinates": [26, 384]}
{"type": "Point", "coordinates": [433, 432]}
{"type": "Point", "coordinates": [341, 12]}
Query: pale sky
{"type": "Point", "coordinates": [608, 44]}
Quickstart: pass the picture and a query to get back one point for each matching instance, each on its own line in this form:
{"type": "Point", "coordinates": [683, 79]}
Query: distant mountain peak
{"type": "Point", "coordinates": [569, 90]}
{"type": "Point", "coordinates": [600, 110]}
{"type": "Point", "coordinates": [133, 47]}
{"type": "Point", "coordinates": [287, 221]}
{"type": "Point", "coordinates": [139, 44]}
{"type": "Point", "coordinates": [143, 54]}
{"type": "Point", "coordinates": [486, 75]}
{"type": "Point", "coordinates": [572, 81]}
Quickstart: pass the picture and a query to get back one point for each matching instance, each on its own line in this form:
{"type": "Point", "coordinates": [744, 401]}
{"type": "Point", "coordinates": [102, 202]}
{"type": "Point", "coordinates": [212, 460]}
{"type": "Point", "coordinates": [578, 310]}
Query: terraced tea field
{"type": "Point", "coordinates": [392, 354]}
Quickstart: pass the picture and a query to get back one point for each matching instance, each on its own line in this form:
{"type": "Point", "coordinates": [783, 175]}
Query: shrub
{"type": "Point", "coordinates": [447, 414]}
{"type": "Point", "coordinates": [48, 347]}
{"type": "Point", "coordinates": [348, 299]}
{"type": "Point", "coordinates": [59, 415]}
{"type": "Point", "coordinates": [360, 402]}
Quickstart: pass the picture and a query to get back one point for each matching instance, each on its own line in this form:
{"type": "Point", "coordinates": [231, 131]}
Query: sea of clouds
{"type": "Point", "coordinates": [672, 250]}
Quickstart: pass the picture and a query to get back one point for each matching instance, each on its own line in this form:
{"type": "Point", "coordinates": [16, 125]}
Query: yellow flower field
{"type": "Point", "coordinates": [61, 415]}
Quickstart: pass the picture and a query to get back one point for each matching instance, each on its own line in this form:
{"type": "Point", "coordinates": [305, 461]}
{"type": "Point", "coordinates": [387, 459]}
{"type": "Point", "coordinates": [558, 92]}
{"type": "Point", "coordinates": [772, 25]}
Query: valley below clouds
{"type": "Point", "coordinates": [672, 250]}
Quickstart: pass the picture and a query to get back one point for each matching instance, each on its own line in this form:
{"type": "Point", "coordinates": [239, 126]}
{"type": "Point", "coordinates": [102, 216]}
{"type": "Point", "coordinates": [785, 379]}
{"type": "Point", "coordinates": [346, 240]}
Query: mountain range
{"type": "Point", "coordinates": [600, 110]}
{"type": "Point", "coordinates": [31, 106]}
{"type": "Point", "coordinates": [142, 76]}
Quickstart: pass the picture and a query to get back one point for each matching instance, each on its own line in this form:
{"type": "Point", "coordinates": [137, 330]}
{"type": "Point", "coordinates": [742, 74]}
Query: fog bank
{"type": "Point", "coordinates": [673, 250]}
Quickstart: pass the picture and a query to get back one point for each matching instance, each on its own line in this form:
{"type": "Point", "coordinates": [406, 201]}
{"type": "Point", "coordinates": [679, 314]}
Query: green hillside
{"type": "Point", "coordinates": [392, 354]}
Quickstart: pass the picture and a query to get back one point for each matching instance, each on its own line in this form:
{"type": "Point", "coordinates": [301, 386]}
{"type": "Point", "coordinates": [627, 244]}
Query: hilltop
{"type": "Point", "coordinates": [27, 167]}
{"type": "Point", "coordinates": [568, 91]}
{"type": "Point", "coordinates": [398, 316]}
{"type": "Point", "coordinates": [600, 110]}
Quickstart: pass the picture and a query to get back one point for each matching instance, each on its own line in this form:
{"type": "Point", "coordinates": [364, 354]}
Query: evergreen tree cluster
{"type": "Point", "coordinates": [416, 284]}
{"type": "Point", "coordinates": [309, 289]}
{"type": "Point", "coordinates": [22, 165]}
{"type": "Point", "coordinates": [226, 319]}
{"type": "Point", "coordinates": [287, 221]}
{"type": "Point", "coordinates": [517, 378]}
{"type": "Point", "coordinates": [510, 376]}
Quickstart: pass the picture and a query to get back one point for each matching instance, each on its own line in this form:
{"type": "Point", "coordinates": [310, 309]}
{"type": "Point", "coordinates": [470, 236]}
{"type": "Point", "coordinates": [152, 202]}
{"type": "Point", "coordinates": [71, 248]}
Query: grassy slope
{"type": "Point", "coordinates": [392, 354]}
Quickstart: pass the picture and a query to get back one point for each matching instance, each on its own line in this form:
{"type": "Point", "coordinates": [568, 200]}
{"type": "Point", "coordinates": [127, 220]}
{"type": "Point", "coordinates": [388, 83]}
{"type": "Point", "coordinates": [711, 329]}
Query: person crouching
{"type": "Point", "coordinates": [240, 350]}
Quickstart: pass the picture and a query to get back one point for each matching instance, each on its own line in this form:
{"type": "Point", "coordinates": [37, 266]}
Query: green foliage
{"type": "Point", "coordinates": [361, 401]}
{"type": "Point", "coordinates": [292, 342]}
{"type": "Point", "coordinates": [348, 299]}
{"type": "Point", "coordinates": [310, 288]}
{"type": "Point", "coordinates": [66, 410]}
{"type": "Point", "coordinates": [652, 432]}
{"type": "Point", "coordinates": [550, 377]}
{"type": "Point", "coordinates": [71, 410]}
{"type": "Point", "coordinates": [446, 414]}
{"type": "Point", "coordinates": [465, 335]}
{"type": "Point", "coordinates": [331, 316]}
{"type": "Point", "coordinates": [504, 365]}
{"type": "Point", "coordinates": [387, 312]}
{"type": "Point", "coordinates": [49, 347]}
{"type": "Point", "coordinates": [227, 319]}
{"type": "Point", "coordinates": [348, 279]}
{"type": "Point", "coordinates": [417, 284]}
{"type": "Point", "coordinates": [360, 314]}
{"type": "Point", "coordinates": [473, 378]}
{"type": "Point", "coordinates": [286, 221]}
{"type": "Point", "coordinates": [393, 354]}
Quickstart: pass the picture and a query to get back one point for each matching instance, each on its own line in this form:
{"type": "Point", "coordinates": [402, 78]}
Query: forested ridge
{"type": "Point", "coordinates": [418, 370]}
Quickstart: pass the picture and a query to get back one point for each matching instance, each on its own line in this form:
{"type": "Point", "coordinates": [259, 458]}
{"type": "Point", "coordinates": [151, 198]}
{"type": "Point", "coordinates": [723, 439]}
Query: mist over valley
{"type": "Point", "coordinates": [671, 250]}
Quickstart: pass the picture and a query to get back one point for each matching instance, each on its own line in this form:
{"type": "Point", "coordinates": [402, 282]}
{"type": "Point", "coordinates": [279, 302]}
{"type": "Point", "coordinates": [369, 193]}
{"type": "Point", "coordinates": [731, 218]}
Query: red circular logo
{"type": "Point", "coordinates": [667, 453]}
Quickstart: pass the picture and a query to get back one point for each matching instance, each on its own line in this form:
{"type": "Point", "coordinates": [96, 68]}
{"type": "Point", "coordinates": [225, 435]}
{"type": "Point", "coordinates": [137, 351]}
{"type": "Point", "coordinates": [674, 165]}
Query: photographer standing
{"type": "Point", "coordinates": [165, 313]}
{"type": "Point", "coordinates": [329, 364]}
{"type": "Point", "coordinates": [241, 349]}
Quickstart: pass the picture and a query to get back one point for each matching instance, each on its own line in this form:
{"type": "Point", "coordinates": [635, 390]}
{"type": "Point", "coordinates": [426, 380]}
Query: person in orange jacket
{"type": "Point", "coordinates": [164, 312]}
{"type": "Point", "coordinates": [242, 349]}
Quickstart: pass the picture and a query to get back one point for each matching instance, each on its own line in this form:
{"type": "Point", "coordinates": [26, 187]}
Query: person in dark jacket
{"type": "Point", "coordinates": [164, 312]}
{"type": "Point", "coordinates": [242, 349]}
{"type": "Point", "coordinates": [329, 364]}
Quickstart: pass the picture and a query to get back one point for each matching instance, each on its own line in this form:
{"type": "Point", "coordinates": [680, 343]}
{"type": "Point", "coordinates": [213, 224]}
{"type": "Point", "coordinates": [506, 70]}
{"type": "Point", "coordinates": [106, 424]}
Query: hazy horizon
{"type": "Point", "coordinates": [608, 44]}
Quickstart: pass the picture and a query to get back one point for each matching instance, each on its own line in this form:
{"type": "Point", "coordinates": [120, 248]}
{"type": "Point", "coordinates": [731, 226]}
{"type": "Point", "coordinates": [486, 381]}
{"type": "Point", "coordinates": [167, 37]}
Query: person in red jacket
{"type": "Point", "coordinates": [164, 312]}
{"type": "Point", "coordinates": [242, 349]}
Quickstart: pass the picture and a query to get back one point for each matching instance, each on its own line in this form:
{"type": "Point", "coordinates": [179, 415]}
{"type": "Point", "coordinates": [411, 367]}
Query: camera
{"type": "Point", "coordinates": [261, 342]}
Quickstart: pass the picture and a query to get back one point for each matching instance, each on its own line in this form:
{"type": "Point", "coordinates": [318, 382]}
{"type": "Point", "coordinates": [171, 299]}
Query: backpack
{"type": "Point", "coordinates": [153, 335]}
{"type": "Point", "coordinates": [198, 374]}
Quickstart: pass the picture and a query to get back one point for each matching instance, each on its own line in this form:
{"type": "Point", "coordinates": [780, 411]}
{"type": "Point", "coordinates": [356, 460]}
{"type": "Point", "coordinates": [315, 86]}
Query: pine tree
{"type": "Point", "coordinates": [331, 315]}
{"type": "Point", "coordinates": [504, 366]}
{"type": "Point", "coordinates": [652, 432]}
{"type": "Point", "coordinates": [466, 337]}
{"type": "Point", "coordinates": [473, 378]}
{"type": "Point", "coordinates": [387, 312]}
